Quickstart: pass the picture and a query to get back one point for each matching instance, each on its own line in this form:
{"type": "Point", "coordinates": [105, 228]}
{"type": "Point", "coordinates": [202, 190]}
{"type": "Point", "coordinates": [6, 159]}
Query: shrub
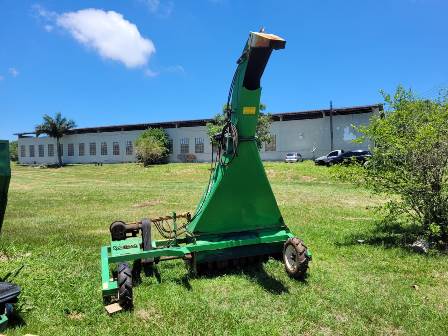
{"type": "Point", "coordinates": [152, 146]}
{"type": "Point", "coordinates": [410, 160]}
{"type": "Point", "coordinates": [13, 151]}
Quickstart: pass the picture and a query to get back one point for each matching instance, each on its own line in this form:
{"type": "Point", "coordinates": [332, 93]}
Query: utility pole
{"type": "Point", "coordinates": [331, 126]}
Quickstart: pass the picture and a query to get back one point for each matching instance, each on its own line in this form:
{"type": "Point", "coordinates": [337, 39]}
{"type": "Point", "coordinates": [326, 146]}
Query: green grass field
{"type": "Point", "coordinates": [57, 219]}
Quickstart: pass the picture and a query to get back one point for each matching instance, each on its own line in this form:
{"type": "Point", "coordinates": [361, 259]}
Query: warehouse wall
{"type": "Point", "coordinates": [305, 135]}
{"type": "Point", "coordinates": [290, 136]}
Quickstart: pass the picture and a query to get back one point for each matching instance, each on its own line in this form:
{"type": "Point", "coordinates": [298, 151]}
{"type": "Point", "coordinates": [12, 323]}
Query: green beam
{"type": "Point", "coordinates": [199, 246]}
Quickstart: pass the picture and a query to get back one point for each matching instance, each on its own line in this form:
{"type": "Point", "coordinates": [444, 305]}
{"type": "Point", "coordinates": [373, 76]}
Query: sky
{"type": "Point", "coordinates": [119, 62]}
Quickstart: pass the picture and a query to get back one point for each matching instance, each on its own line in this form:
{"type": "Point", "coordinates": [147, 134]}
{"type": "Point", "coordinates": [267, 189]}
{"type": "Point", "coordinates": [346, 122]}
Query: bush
{"type": "Point", "coordinates": [410, 157]}
{"type": "Point", "coordinates": [13, 151]}
{"type": "Point", "coordinates": [152, 146]}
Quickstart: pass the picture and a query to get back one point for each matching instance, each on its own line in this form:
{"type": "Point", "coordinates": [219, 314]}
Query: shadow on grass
{"type": "Point", "coordinates": [14, 321]}
{"type": "Point", "coordinates": [255, 273]}
{"type": "Point", "coordinates": [386, 234]}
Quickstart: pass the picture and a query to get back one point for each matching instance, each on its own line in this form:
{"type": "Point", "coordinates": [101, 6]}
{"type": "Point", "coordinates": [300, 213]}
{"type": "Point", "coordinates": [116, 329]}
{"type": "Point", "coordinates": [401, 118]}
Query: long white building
{"type": "Point", "coordinates": [307, 132]}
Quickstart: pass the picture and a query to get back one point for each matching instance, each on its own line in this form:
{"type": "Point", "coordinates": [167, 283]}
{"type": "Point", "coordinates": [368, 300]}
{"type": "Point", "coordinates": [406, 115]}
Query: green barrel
{"type": "Point", "coordinates": [5, 176]}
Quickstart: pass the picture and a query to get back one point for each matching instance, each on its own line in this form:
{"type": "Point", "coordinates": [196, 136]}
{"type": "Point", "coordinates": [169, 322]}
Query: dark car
{"type": "Point", "coordinates": [323, 160]}
{"type": "Point", "coordinates": [359, 156]}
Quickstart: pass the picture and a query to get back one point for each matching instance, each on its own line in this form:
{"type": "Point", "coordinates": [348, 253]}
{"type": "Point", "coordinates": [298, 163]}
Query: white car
{"type": "Point", "coordinates": [293, 157]}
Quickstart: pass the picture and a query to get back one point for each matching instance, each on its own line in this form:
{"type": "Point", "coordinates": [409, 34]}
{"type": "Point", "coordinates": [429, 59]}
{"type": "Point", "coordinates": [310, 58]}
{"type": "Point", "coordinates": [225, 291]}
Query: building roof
{"type": "Point", "coordinates": [285, 116]}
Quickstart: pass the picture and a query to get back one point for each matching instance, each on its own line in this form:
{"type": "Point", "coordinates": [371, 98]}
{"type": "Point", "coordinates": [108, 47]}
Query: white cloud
{"type": "Point", "coordinates": [46, 15]}
{"type": "Point", "coordinates": [13, 72]}
{"type": "Point", "coordinates": [175, 69]}
{"type": "Point", "coordinates": [111, 35]}
{"type": "Point", "coordinates": [48, 27]}
{"type": "Point", "coordinates": [171, 69]}
{"type": "Point", "coordinates": [162, 8]}
{"type": "Point", "coordinates": [153, 5]}
{"type": "Point", "coordinates": [150, 73]}
{"type": "Point", "coordinates": [1, 78]}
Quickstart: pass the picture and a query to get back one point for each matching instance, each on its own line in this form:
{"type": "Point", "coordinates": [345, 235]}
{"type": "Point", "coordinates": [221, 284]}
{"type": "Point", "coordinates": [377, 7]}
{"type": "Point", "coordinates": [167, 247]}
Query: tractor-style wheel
{"type": "Point", "coordinates": [295, 258]}
{"type": "Point", "coordinates": [124, 279]}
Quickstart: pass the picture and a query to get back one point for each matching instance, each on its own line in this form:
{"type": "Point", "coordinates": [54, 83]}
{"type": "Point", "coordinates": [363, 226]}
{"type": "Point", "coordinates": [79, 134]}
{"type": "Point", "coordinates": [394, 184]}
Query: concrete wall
{"type": "Point", "coordinates": [305, 135]}
{"type": "Point", "coordinates": [291, 136]}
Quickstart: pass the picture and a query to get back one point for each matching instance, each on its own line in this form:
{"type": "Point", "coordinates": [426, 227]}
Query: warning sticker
{"type": "Point", "coordinates": [249, 110]}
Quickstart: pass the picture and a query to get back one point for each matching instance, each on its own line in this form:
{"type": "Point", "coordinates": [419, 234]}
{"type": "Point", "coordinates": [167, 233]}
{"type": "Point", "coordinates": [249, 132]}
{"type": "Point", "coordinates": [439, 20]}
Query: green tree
{"type": "Point", "coordinates": [13, 150]}
{"type": "Point", "coordinates": [152, 146]}
{"type": "Point", "coordinates": [263, 126]}
{"type": "Point", "coordinates": [56, 128]}
{"type": "Point", "coordinates": [410, 161]}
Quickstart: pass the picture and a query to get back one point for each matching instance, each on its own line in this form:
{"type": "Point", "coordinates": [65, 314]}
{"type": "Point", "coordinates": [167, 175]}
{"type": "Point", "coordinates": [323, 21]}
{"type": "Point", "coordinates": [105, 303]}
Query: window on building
{"type": "Point", "coordinates": [116, 148]}
{"type": "Point", "coordinates": [31, 150]}
{"type": "Point", "coordinates": [22, 151]}
{"type": "Point", "coordinates": [129, 148]}
{"type": "Point", "coordinates": [170, 146]}
{"type": "Point", "coordinates": [271, 146]}
{"type": "Point", "coordinates": [103, 148]}
{"type": "Point", "coordinates": [92, 148]}
{"type": "Point", "coordinates": [184, 146]}
{"type": "Point", "coordinates": [199, 145]}
{"type": "Point", "coordinates": [61, 149]}
{"type": "Point", "coordinates": [70, 150]}
{"type": "Point", "coordinates": [81, 149]}
{"type": "Point", "coordinates": [50, 150]}
{"type": "Point", "coordinates": [41, 150]}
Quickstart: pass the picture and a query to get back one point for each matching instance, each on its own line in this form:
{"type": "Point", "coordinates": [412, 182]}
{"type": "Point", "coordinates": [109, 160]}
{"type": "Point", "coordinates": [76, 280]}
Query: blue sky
{"type": "Point", "coordinates": [118, 62]}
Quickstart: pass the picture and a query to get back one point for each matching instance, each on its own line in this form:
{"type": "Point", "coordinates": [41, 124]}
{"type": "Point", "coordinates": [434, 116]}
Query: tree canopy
{"type": "Point", "coordinates": [152, 146]}
{"type": "Point", "coordinates": [55, 127]}
{"type": "Point", "coordinates": [13, 151]}
{"type": "Point", "coordinates": [263, 126]}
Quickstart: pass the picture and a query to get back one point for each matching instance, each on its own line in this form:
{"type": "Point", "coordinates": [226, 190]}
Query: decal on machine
{"type": "Point", "coordinates": [125, 247]}
{"type": "Point", "coordinates": [249, 110]}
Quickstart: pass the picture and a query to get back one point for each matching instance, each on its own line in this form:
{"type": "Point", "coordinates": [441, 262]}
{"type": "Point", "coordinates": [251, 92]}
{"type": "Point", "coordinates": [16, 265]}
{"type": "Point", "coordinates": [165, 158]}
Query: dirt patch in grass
{"type": "Point", "coordinates": [148, 314]}
{"type": "Point", "coordinates": [3, 257]}
{"type": "Point", "coordinates": [99, 232]}
{"type": "Point", "coordinates": [307, 178]}
{"type": "Point", "coordinates": [147, 203]}
{"type": "Point", "coordinates": [356, 218]}
{"type": "Point", "coordinates": [271, 173]}
{"type": "Point", "coordinates": [74, 315]}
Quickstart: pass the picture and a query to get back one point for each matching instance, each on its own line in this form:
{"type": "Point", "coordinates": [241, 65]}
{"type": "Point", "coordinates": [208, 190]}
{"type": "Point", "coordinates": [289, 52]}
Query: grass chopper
{"type": "Point", "coordinates": [237, 220]}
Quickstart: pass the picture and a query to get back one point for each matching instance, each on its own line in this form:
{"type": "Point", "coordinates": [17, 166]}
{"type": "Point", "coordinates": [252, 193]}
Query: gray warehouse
{"type": "Point", "coordinates": [307, 132]}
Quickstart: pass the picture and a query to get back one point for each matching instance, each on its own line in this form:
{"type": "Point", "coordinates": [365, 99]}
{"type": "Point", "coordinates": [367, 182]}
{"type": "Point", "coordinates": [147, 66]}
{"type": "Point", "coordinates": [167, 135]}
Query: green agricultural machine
{"type": "Point", "coordinates": [8, 291]}
{"type": "Point", "coordinates": [237, 221]}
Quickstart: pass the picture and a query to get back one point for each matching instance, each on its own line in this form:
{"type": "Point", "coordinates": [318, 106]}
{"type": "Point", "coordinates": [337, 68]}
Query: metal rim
{"type": "Point", "coordinates": [290, 257]}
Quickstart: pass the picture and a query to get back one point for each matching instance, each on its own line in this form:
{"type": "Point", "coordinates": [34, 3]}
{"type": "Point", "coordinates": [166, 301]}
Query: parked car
{"type": "Point", "coordinates": [293, 157]}
{"type": "Point", "coordinates": [360, 156]}
{"type": "Point", "coordinates": [323, 160]}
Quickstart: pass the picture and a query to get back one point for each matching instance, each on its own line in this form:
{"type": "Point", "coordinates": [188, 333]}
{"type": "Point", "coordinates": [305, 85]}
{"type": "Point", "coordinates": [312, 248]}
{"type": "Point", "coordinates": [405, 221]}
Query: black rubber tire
{"type": "Point", "coordinates": [124, 279]}
{"type": "Point", "coordinates": [295, 258]}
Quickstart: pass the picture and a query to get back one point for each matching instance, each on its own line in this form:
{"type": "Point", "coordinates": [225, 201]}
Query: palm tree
{"type": "Point", "coordinates": [55, 127]}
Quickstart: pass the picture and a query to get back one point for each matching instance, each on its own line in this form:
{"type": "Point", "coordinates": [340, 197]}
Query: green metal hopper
{"type": "Point", "coordinates": [237, 219]}
{"type": "Point", "coordinates": [5, 176]}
